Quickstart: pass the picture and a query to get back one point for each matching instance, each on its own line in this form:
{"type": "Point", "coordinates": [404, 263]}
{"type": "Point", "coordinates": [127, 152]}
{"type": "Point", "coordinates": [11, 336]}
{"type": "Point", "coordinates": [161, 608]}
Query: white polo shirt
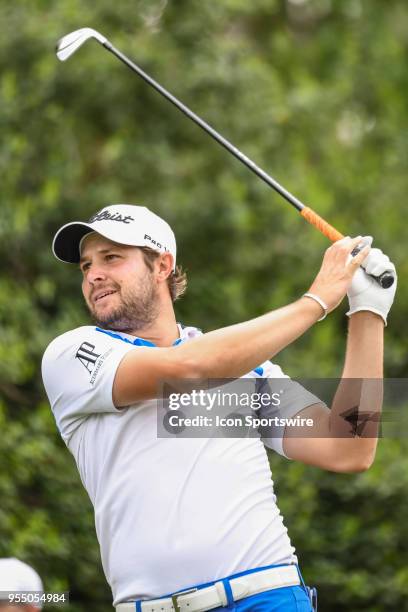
{"type": "Point", "coordinates": [169, 513]}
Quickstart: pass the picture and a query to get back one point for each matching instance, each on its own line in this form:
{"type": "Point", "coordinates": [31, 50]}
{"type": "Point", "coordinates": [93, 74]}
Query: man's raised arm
{"type": "Point", "coordinates": [344, 439]}
{"type": "Point", "coordinates": [233, 351]}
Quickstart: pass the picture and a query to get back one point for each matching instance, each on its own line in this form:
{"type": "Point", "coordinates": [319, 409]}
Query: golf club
{"type": "Point", "coordinates": [71, 42]}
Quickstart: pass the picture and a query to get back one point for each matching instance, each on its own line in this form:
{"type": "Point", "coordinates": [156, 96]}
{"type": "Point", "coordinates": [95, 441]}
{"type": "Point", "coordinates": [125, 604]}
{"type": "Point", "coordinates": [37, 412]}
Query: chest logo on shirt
{"type": "Point", "coordinates": [87, 355]}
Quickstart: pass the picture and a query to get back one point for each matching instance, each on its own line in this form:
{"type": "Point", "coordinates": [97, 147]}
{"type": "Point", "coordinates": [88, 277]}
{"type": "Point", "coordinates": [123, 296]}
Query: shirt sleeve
{"type": "Point", "coordinates": [288, 398]}
{"type": "Point", "coordinates": [78, 370]}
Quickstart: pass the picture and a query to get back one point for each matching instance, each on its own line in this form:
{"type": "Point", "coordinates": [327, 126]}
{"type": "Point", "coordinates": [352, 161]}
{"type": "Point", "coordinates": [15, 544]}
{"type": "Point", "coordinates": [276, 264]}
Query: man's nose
{"type": "Point", "coordinates": [95, 273]}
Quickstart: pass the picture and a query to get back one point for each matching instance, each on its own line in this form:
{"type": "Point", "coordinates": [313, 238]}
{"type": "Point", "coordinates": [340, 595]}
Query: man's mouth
{"type": "Point", "coordinates": [102, 294]}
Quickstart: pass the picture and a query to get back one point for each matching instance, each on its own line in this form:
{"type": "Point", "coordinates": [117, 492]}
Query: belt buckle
{"type": "Point", "coordinates": [178, 594]}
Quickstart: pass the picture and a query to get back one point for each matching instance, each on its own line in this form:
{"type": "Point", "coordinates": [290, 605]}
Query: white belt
{"type": "Point", "coordinates": [208, 598]}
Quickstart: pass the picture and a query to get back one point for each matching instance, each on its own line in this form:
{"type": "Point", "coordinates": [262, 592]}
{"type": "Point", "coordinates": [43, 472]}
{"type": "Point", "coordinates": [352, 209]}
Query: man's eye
{"type": "Point", "coordinates": [111, 256]}
{"type": "Point", "coordinates": [85, 267]}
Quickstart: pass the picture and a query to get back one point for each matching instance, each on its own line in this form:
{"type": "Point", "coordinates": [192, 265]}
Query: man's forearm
{"type": "Point", "coordinates": [356, 409]}
{"type": "Point", "coordinates": [365, 346]}
{"type": "Point", "coordinates": [233, 351]}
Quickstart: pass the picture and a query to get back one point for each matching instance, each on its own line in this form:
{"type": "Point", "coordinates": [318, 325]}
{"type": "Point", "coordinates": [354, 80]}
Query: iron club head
{"type": "Point", "coordinates": [67, 45]}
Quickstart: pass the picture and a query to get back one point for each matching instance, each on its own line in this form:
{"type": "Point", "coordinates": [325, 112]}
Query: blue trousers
{"type": "Point", "coordinates": [285, 599]}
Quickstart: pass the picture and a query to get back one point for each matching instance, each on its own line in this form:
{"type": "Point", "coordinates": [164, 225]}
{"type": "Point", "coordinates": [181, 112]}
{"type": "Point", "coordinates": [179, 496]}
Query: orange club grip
{"type": "Point", "coordinates": [325, 228]}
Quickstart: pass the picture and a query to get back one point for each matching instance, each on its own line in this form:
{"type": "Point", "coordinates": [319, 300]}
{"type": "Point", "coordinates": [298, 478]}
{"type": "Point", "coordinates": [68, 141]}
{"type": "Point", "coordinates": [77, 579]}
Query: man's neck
{"type": "Point", "coordinates": [162, 332]}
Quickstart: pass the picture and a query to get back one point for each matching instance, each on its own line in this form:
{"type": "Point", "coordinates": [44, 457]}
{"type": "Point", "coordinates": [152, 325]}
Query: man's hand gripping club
{"type": "Point", "coordinates": [341, 272]}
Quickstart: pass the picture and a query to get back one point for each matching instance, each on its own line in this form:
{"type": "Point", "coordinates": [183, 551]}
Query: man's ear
{"type": "Point", "coordinates": [164, 266]}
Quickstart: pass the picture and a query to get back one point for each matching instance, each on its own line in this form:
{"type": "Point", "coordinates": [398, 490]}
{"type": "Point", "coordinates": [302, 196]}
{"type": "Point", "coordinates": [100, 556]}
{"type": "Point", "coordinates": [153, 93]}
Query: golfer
{"type": "Point", "coordinates": [192, 524]}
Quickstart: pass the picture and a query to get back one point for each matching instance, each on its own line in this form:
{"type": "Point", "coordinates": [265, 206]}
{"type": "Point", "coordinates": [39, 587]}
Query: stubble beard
{"type": "Point", "coordinates": [138, 309]}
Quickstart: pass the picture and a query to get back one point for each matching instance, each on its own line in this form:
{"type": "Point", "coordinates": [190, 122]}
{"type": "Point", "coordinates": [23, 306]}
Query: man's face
{"type": "Point", "coordinates": [119, 289]}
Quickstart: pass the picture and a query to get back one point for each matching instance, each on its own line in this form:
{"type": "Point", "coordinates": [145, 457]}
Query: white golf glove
{"type": "Point", "coordinates": [365, 293]}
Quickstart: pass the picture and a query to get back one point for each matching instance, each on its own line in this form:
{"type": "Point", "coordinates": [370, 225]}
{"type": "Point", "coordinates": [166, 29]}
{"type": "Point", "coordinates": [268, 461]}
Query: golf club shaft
{"type": "Point", "coordinates": [385, 280]}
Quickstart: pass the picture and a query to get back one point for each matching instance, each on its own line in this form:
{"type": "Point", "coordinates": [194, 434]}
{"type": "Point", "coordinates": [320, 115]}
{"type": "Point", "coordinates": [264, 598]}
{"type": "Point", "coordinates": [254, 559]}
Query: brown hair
{"type": "Point", "coordinates": [176, 282]}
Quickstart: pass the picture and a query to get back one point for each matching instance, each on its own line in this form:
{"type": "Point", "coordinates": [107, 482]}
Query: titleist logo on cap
{"type": "Point", "coordinates": [107, 216]}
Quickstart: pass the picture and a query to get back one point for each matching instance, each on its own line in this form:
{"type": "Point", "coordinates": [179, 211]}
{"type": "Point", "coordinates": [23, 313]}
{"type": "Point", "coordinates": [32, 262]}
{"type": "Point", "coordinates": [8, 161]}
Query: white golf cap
{"type": "Point", "coordinates": [16, 576]}
{"type": "Point", "coordinates": [123, 223]}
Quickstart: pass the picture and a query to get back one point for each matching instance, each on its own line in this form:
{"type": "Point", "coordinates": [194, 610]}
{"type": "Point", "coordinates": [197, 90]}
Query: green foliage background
{"type": "Point", "coordinates": [315, 92]}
